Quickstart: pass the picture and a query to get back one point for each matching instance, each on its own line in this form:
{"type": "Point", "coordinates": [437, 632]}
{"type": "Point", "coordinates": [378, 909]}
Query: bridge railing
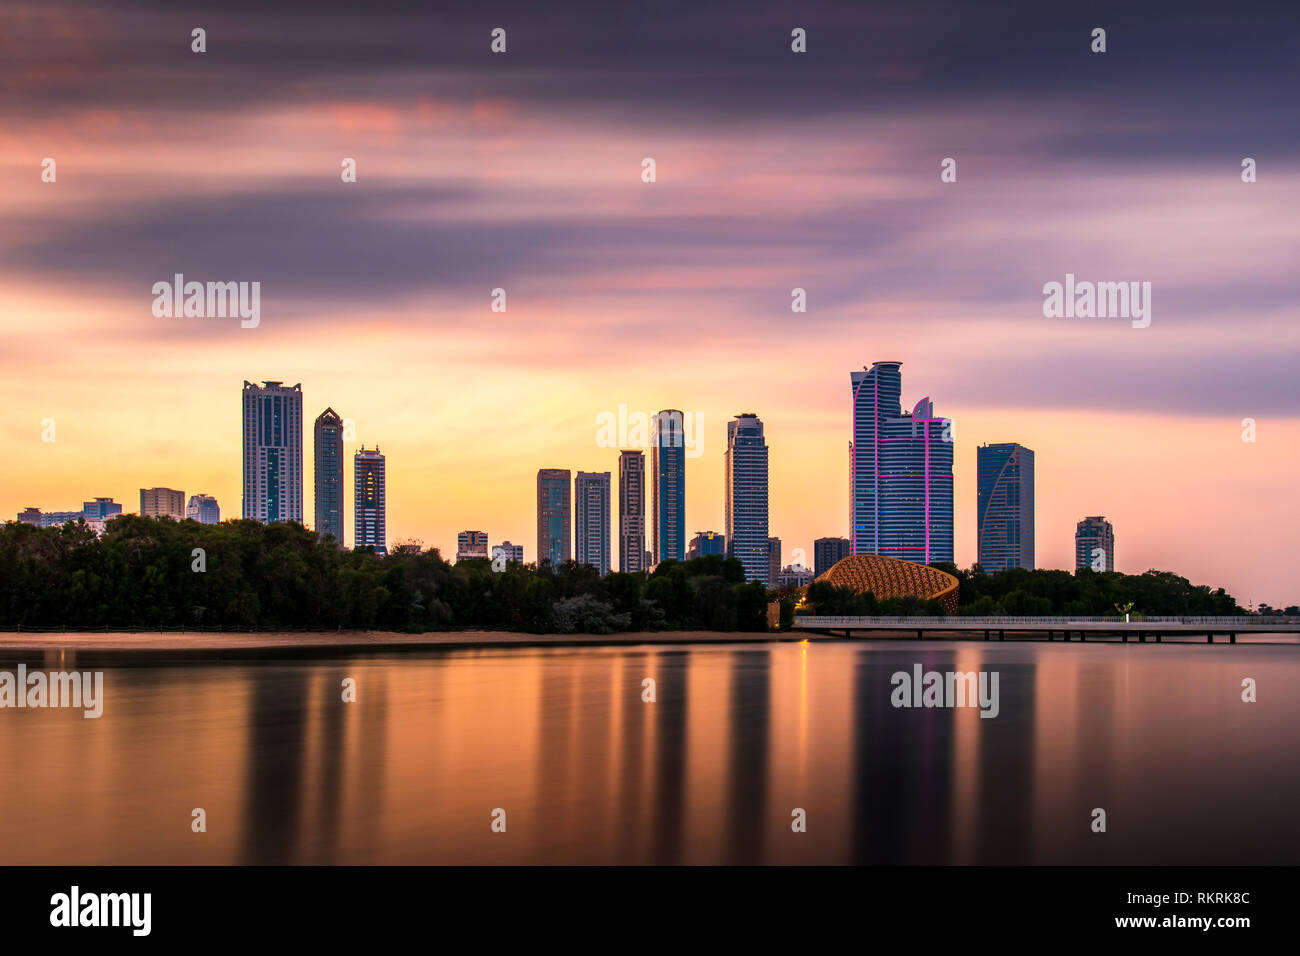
{"type": "Point", "coordinates": [814, 620]}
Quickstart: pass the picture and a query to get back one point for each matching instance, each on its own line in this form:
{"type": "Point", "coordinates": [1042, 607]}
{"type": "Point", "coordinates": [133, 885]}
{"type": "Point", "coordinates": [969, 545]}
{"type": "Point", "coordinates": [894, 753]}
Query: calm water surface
{"type": "Point", "coordinates": [738, 737]}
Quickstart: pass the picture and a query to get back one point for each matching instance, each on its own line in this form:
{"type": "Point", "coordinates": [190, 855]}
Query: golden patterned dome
{"type": "Point", "coordinates": [894, 578]}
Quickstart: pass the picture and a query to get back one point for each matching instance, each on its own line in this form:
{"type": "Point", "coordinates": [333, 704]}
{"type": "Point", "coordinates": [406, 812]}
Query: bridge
{"type": "Point", "coordinates": [1111, 629]}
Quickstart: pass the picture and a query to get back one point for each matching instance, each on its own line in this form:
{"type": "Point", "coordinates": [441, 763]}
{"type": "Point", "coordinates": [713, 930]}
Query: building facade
{"type": "Point", "coordinates": [826, 552]}
{"type": "Point", "coordinates": [745, 497]}
{"type": "Point", "coordinates": [773, 558]}
{"type": "Point", "coordinates": [511, 552]}
{"type": "Point", "coordinates": [668, 465]}
{"type": "Point", "coordinates": [272, 452]}
{"type": "Point", "coordinates": [631, 511]}
{"type": "Point", "coordinates": [1094, 544]}
{"type": "Point", "coordinates": [203, 509]}
{"type": "Point", "coordinates": [327, 465]}
{"type": "Point", "coordinates": [370, 500]}
{"type": "Point", "coordinates": [554, 517]}
{"type": "Point", "coordinates": [900, 472]}
{"type": "Point", "coordinates": [591, 498]}
{"type": "Point", "coordinates": [100, 509]}
{"type": "Point", "coordinates": [1004, 496]}
{"type": "Point", "coordinates": [471, 544]}
{"type": "Point", "coordinates": [162, 503]}
{"type": "Point", "coordinates": [709, 542]}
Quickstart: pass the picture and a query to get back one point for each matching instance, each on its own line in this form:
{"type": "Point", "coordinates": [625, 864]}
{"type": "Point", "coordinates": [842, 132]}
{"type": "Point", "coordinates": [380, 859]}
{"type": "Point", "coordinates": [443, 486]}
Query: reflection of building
{"type": "Point", "coordinates": [328, 464]}
{"type": "Point", "coordinates": [631, 511]}
{"type": "Point", "coordinates": [887, 577]}
{"type": "Point", "coordinates": [745, 497]}
{"type": "Point", "coordinates": [162, 503]}
{"type": "Point", "coordinates": [591, 519]}
{"type": "Point", "coordinates": [707, 542]}
{"type": "Point", "coordinates": [471, 544]}
{"type": "Point", "coordinates": [1094, 544]}
{"type": "Point", "coordinates": [1005, 506]}
{"type": "Point", "coordinates": [900, 480]}
{"type": "Point", "coordinates": [554, 532]}
{"type": "Point", "coordinates": [826, 551]}
{"type": "Point", "coordinates": [203, 509]}
{"type": "Point", "coordinates": [370, 505]}
{"type": "Point", "coordinates": [272, 452]}
{"type": "Point", "coordinates": [668, 464]}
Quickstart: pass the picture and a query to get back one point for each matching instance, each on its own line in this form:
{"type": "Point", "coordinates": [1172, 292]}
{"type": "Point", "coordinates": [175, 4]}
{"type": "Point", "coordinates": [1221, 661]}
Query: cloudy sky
{"type": "Point", "coordinates": [774, 170]}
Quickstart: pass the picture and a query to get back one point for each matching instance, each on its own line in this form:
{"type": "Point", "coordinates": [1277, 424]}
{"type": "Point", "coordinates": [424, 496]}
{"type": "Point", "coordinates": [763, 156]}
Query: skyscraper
{"type": "Point", "coordinates": [826, 552]}
{"type": "Point", "coordinates": [591, 497]}
{"type": "Point", "coordinates": [631, 511]}
{"type": "Point", "coordinates": [272, 452]}
{"type": "Point", "coordinates": [900, 471]}
{"type": "Point", "coordinates": [554, 534]}
{"type": "Point", "coordinates": [745, 497]}
{"type": "Point", "coordinates": [1094, 544]}
{"type": "Point", "coordinates": [773, 558]}
{"type": "Point", "coordinates": [162, 503]}
{"type": "Point", "coordinates": [369, 500]}
{"type": "Point", "coordinates": [1004, 498]}
{"type": "Point", "coordinates": [471, 544]}
{"type": "Point", "coordinates": [328, 464]}
{"type": "Point", "coordinates": [203, 509]}
{"type": "Point", "coordinates": [668, 462]}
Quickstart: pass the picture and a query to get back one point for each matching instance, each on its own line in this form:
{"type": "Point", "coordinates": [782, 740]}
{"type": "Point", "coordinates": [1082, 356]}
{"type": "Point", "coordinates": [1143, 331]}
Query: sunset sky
{"type": "Point", "coordinates": [775, 170]}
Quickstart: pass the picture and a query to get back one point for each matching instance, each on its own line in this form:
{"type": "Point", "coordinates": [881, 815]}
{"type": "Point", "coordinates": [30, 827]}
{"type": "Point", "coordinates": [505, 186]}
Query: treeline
{"type": "Point", "coordinates": [143, 572]}
{"type": "Point", "coordinates": [1039, 593]}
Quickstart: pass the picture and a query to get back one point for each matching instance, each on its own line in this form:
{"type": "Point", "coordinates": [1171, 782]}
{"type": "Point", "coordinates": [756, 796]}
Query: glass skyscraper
{"type": "Point", "coordinates": [369, 500]}
{"type": "Point", "coordinates": [900, 471]}
{"type": "Point", "coordinates": [631, 511]}
{"type": "Point", "coordinates": [554, 535]}
{"type": "Point", "coordinates": [668, 463]}
{"type": "Point", "coordinates": [272, 452]}
{"type": "Point", "coordinates": [328, 465]}
{"type": "Point", "coordinates": [203, 509]}
{"type": "Point", "coordinates": [745, 493]}
{"type": "Point", "coordinates": [1094, 544]}
{"type": "Point", "coordinates": [591, 493]}
{"type": "Point", "coordinates": [1004, 518]}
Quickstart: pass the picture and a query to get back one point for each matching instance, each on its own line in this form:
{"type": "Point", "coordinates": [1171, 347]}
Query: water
{"type": "Point", "coordinates": [739, 736]}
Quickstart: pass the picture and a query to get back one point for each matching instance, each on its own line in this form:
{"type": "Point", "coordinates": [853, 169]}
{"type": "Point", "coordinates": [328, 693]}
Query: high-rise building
{"type": "Point", "coordinates": [554, 532]}
{"type": "Point", "coordinates": [709, 542]}
{"type": "Point", "coordinates": [471, 544]}
{"type": "Point", "coordinates": [591, 497]}
{"type": "Point", "coordinates": [1004, 498]}
{"type": "Point", "coordinates": [900, 473]}
{"type": "Point", "coordinates": [511, 552]}
{"type": "Point", "coordinates": [272, 452]}
{"type": "Point", "coordinates": [162, 503]}
{"type": "Point", "coordinates": [203, 509]}
{"type": "Point", "coordinates": [826, 552]}
{"type": "Point", "coordinates": [773, 558]}
{"type": "Point", "coordinates": [369, 500]}
{"type": "Point", "coordinates": [631, 511]}
{"type": "Point", "coordinates": [100, 509]}
{"type": "Point", "coordinates": [668, 463]}
{"type": "Point", "coordinates": [745, 497]}
{"type": "Point", "coordinates": [328, 465]}
{"type": "Point", "coordinates": [1094, 544]}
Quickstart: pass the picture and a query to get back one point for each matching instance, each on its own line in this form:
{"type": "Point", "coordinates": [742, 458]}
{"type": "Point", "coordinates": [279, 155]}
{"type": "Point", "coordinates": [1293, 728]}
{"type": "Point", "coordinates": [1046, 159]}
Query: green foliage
{"type": "Point", "coordinates": [1085, 593]}
{"type": "Point", "coordinates": [138, 574]}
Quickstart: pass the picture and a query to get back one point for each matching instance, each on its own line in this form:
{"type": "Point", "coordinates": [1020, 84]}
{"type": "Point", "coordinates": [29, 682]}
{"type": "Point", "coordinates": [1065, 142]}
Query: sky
{"type": "Point", "coordinates": [774, 170]}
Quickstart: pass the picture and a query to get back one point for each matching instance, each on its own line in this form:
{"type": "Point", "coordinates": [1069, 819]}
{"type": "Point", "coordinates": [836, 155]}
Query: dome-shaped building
{"type": "Point", "coordinates": [894, 578]}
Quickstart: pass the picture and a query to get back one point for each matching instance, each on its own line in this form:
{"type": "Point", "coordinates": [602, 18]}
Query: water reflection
{"type": "Point", "coordinates": [738, 736]}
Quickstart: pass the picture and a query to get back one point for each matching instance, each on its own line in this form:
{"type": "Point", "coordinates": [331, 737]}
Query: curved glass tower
{"type": "Point", "coordinates": [1005, 506]}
